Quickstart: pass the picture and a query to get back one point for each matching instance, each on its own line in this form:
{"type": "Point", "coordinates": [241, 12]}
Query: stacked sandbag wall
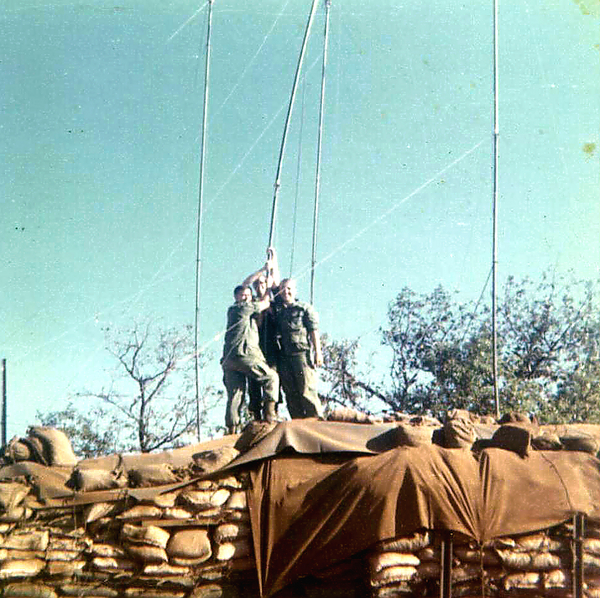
{"type": "Point", "coordinates": [537, 565]}
{"type": "Point", "coordinates": [193, 542]}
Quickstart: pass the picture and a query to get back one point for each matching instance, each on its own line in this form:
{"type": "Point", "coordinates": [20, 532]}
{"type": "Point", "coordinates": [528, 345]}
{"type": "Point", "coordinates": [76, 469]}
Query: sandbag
{"type": "Point", "coordinates": [414, 435]}
{"type": "Point", "coordinates": [141, 512]}
{"type": "Point", "coordinates": [82, 590]}
{"type": "Point", "coordinates": [513, 437]}
{"type": "Point", "coordinates": [231, 531]}
{"type": "Point", "coordinates": [209, 461]}
{"type": "Point", "coordinates": [27, 590]}
{"type": "Point", "coordinates": [178, 513]}
{"type": "Point", "coordinates": [384, 560]}
{"type": "Point", "coordinates": [237, 500]}
{"type": "Point", "coordinates": [190, 544]}
{"type": "Point", "coordinates": [393, 574]}
{"type": "Point", "coordinates": [204, 499]}
{"type": "Point", "coordinates": [212, 591]}
{"type": "Point", "coordinates": [519, 581]}
{"type": "Point", "coordinates": [65, 568]}
{"type": "Point", "coordinates": [56, 445]}
{"type": "Point", "coordinates": [90, 480]}
{"type": "Point", "coordinates": [470, 555]}
{"type": "Point", "coordinates": [107, 550]}
{"type": "Point", "coordinates": [410, 543]}
{"type": "Point", "coordinates": [12, 494]}
{"type": "Point", "coordinates": [166, 500]}
{"type": "Point", "coordinates": [146, 553]}
{"type": "Point", "coordinates": [585, 444]}
{"type": "Point", "coordinates": [21, 568]}
{"type": "Point", "coordinates": [24, 539]}
{"type": "Point", "coordinates": [148, 534]}
{"type": "Point", "coordinates": [16, 514]}
{"type": "Point", "coordinates": [459, 433]}
{"type": "Point", "coordinates": [154, 474]}
{"type": "Point", "coordinates": [152, 593]}
{"type": "Point", "coordinates": [166, 570]}
{"type": "Point", "coordinates": [236, 549]}
{"type": "Point", "coordinates": [97, 510]}
{"type": "Point", "coordinates": [112, 564]}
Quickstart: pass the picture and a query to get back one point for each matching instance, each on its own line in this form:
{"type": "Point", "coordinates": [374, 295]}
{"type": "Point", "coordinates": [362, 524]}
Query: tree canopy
{"type": "Point", "coordinates": [441, 348]}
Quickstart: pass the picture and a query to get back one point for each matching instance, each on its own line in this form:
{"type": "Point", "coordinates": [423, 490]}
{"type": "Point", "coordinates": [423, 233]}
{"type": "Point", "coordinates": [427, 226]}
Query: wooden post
{"type": "Point", "coordinates": [3, 403]}
{"type": "Point", "coordinates": [578, 533]}
{"type": "Point", "coordinates": [446, 573]}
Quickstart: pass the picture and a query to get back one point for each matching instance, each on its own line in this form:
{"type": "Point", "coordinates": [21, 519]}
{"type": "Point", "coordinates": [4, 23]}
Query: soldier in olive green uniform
{"type": "Point", "coordinates": [297, 325]}
{"type": "Point", "coordinates": [242, 357]}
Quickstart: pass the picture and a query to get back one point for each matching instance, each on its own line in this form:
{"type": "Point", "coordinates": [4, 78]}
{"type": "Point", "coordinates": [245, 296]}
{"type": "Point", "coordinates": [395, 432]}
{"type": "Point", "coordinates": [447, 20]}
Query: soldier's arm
{"type": "Point", "coordinates": [316, 342]}
{"type": "Point", "coordinates": [252, 277]}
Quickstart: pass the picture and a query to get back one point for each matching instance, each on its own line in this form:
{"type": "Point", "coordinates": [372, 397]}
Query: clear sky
{"type": "Point", "coordinates": [101, 112]}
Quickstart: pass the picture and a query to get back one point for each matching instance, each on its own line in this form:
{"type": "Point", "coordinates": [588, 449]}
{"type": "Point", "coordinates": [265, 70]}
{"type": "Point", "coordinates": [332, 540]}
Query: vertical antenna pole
{"type": "Point", "coordinates": [199, 223]}
{"type": "Point", "coordinates": [319, 145]}
{"type": "Point", "coordinates": [4, 403]}
{"type": "Point", "coordinates": [495, 220]}
{"type": "Point", "coordinates": [287, 121]}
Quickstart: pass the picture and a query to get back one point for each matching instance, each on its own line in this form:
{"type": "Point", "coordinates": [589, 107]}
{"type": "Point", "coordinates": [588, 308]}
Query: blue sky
{"type": "Point", "coordinates": [99, 157]}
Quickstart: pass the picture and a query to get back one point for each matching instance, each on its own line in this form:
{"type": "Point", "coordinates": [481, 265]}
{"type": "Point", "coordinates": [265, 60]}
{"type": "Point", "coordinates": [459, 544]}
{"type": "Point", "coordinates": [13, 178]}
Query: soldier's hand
{"type": "Point", "coordinates": [318, 359]}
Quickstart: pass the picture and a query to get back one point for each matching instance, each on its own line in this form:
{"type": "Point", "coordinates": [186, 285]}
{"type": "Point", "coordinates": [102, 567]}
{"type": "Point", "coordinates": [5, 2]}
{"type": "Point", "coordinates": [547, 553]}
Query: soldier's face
{"type": "Point", "coordinates": [288, 292]}
{"type": "Point", "coordinates": [260, 286]}
{"type": "Point", "coordinates": [244, 296]}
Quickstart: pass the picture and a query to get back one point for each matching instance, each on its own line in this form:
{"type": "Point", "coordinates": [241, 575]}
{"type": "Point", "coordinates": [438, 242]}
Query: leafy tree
{"type": "Point", "coordinates": [548, 353]}
{"type": "Point", "coordinates": [346, 384]}
{"type": "Point", "coordinates": [150, 403]}
{"type": "Point", "coordinates": [89, 433]}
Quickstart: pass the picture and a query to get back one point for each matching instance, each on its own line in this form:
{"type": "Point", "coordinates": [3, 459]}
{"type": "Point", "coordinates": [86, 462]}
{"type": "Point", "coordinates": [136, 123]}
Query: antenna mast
{"type": "Point", "coordinates": [199, 223]}
{"type": "Point", "coordinates": [319, 145]}
{"type": "Point", "coordinates": [287, 120]}
{"type": "Point", "coordinates": [495, 220]}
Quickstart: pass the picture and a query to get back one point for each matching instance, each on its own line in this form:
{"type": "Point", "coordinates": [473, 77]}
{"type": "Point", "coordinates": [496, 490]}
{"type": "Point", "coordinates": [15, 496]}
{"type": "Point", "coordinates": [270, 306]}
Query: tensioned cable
{"type": "Point", "coordinates": [375, 221]}
{"type": "Point", "coordinates": [199, 221]}
{"type": "Point", "coordinates": [319, 148]}
{"type": "Point", "coordinates": [287, 121]}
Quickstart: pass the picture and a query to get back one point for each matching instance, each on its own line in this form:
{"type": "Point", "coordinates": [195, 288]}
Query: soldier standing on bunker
{"type": "Point", "coordinates": [266, 286]}
{"type": "Point", "coordinates": [297, 326]}
{"type": "Point", "coordinates": [242, 356]}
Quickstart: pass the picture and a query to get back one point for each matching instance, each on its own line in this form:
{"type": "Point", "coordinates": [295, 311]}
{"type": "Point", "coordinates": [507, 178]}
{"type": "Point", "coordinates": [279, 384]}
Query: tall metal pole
{"type": "Point", "coordinates": [199, 222]}
{"type": "Point", "coordinates": [319, 145]}
{"type": "Point", "coordinates": [4, 439]}
{"type": "Point", "coordinates": [287, 120]}
{"type": "Point", "coordinates": [495, 219]}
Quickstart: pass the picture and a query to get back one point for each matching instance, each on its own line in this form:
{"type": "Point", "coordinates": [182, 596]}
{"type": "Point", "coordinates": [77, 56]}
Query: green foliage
{"type": "Point", "coordinates": [548, 340]}
{"type": "Point", "coordinates": [91, 434]}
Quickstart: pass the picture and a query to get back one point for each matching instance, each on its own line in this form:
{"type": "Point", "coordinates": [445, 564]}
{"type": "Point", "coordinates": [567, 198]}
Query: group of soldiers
{"type": "Point", "coordinates": [271, 345]}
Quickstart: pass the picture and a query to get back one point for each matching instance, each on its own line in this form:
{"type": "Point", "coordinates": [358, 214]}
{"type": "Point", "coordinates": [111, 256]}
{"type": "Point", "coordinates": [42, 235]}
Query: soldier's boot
{"type": "Point", "coordinates": [270, 412]}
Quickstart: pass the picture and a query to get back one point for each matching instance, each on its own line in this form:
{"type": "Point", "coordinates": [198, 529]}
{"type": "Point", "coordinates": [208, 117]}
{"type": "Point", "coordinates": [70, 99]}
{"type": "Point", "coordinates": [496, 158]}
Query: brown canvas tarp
{"type": "Point", "coordinates": [309, 513]}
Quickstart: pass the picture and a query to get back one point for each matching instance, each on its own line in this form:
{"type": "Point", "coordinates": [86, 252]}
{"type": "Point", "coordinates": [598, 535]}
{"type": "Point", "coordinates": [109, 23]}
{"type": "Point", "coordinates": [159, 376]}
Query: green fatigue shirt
{"type": "Point", "coordinates": [241, 336]}
{"type": "Point", "coordinates": [294, 323]}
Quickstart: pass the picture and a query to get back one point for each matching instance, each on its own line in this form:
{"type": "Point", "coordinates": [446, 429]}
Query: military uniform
{"type": "Point", "coordinates": [297, 373]}
{"type": "Point", "coordinates": [242, 358]}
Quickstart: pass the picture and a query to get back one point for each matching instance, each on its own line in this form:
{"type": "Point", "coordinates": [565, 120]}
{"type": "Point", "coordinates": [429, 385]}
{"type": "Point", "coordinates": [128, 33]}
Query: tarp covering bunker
{"type": "Point", "coordinates": [318, 495]}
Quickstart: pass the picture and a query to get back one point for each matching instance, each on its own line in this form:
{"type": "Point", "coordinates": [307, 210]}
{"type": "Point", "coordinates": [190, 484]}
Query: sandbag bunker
{"type": "Point", "coordinates": [302, 509]}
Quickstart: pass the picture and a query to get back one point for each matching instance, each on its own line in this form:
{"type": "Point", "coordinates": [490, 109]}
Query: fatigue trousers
{"type": "Point", "coordinates": [299, 383]}
{"type": "Point", "coordinates": [235, 372]}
